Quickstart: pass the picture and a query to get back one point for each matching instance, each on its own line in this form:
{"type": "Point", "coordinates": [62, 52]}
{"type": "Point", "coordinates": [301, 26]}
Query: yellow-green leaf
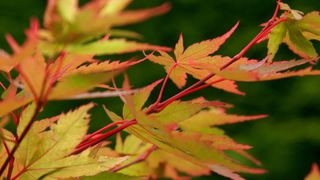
{"type": "Point", "coordinates": [67, 9]}
{"type": "Point", "coordinates": [276, 37]}
{"type": "Point", "coordinates": [113, 46]}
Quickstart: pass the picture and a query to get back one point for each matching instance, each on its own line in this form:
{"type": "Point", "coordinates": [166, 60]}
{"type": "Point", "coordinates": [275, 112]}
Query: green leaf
{"type": "Point", "coordinates": [9, 104]}
{"type": "Point", "coordinates": [78, 83]}
{"type": "Point", "coordinates": [65, 135]}
{"type": "Point", "coordinates": [276, 37]}
{"type": "Point", "coordinates": [298, 43]}
{"type": "Point", "coordinates": [110, 176]}
{"type": "Point", "coordinates": [113, 46]}
{"type": "Point", "coordinates": [204, 48]}
{"type": "Point", "coordinates": [78, 165]}
{"type": "Point", "coordinates": [45, 154]}
{"type": "Point", "coordinates": [115, 6]}
{"type": "Point", "coordinates": [67, 9]}
{"type": "Point", "coordinates": [199, 146]}
{"type": "Point", "coordinates": [311, 23]}
{"type": "Point", "coordinates": [239, 70]}
{"type": "Point", "coordinates": [25, 117]}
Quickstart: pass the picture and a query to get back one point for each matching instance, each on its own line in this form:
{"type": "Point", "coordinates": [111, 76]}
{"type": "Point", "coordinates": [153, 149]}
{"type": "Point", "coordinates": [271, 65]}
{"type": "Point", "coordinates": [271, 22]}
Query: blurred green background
{"type": "Point", "coordinates": [287, 142]}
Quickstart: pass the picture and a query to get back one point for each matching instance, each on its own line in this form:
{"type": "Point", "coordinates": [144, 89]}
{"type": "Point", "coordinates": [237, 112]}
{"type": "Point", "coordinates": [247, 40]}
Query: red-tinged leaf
{"type": "Point", "coordinates": [194, 53]}
{"type": "Point", "coordinates": [113, 46]}
{"type": "Point", "coordinates": [303, 72]}
{"type": "Point", "coordinates": [177, 75]}
{"type": "Point", "coordinates": [13, 103]}
{"type": "Point", "coordinates": [205, 48]}
{"type": "Point", "coordinates": [179, 49]}
{"type": "Point", "coordinates": [34, 81]}
{"type": "Point", "coordinates": [87, 77]}
{"type": "Point", "coordinates": [202, 147]}
{"type": "Point", "coordinates": [134, 16]}
{"type": "Point", "coordinates": [223, 171]}
{"type": "Point", "coordinates": [297, 15]}
{"type": "Point", "coordinates": [135, 102]}
{"type": "Point", "coordinates": [7, 62]}
{"type": "Point", "coordinates": [214, 117]}
{"type": "Point", "coordinates": [314, 173]}
{"type": "Point", "coordinates": [226, 85]}
{"type": "Point", "coordinates": [104, 66]}
{"type": "Point", "coordinates": [115, 6]}
{"type": "Point", "coordinates": [241, 70]}
{"type": "Point", "coordinates": [67, 24]}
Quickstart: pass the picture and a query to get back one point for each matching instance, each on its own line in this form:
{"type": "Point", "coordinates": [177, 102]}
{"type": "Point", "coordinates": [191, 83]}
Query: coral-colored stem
{"type": "Point", "coordinates": [261, 35]}
{"type": "Point", "coordinates": [155, 105]}
{"type": "Point", "coordinates": [275, 14]}
{"type": "Point", "coordinates": [2, 86]}
{"type": "Point", "coordinates": [88, 137]}
{"type": "Point", "coordinates": [97, 140]}
{"type": "Point", "coordinates": [179, 95]}
{"type": "Point", "coordinates": [141, 158]}
{"type": "Point", "coordinates": [165, 82]}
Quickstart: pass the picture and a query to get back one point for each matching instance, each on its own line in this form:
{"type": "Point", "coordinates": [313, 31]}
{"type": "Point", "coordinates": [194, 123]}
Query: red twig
{"type": "Point", "coordinates": [2, 86]}
{"type": "Point", "coordinates": [165, 82]}
{"type": "Point", "coordinates": [92, 142]}
{"type": "Point", "coordinates": [261, 35]}
{"type": "Point", "coordinates": [88, 137]}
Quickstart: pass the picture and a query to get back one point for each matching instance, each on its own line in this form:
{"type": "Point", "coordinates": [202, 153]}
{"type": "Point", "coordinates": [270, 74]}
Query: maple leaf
{"type": "Point", "coordinates": [20, 53]}
{"type": "Point", "coordinates": [296, 32]}
{"type": "Point", "coordinates": [314, 173]}
{"type": "Point", "coordinates": [66, 26]}
{"type": "Point", "coordinates": [167, 130]}
{"type": "Point", "coordinates": [45, 151]}
{"type": "Point", "coordinates": [178, 67]}
{"type": "Point", "coordinates": [69, 77]}
{"type": "Point", "coordinates": [112, 46]}
{"type": "Point", "coordinates": [196, 61]}
{"type": "Point", "coordinates": [158, 164]}
{"type": "Point", "coordinates": [252, 70]}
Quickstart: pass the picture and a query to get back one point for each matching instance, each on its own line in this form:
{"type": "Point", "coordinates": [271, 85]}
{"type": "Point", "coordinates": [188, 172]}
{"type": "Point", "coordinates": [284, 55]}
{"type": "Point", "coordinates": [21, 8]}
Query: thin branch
{"type": "Point", "coordinates": [2, 86]}
{"type": "Point", "coordinates": [165, 82]}
{"type": "Point", "coordinates": [85, 145]}
{"type": "Point", "coordinates": [88, 137]}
